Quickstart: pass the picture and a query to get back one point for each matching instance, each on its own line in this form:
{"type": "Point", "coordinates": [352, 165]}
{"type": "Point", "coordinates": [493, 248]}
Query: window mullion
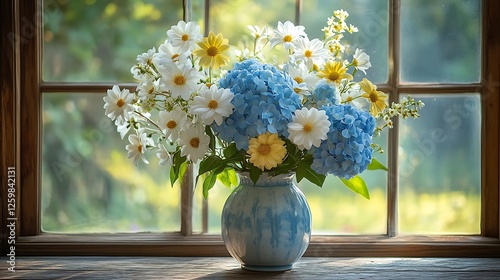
{"type": "Point", "coordinates": [392, 153]}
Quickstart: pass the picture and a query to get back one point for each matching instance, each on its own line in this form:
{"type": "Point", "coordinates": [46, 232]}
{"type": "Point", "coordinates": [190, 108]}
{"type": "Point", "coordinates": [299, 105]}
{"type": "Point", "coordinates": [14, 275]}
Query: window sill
{"type": "Point", "coordinates": [172, 244]}
{"type": "Point", "coordinates": [228, 268]}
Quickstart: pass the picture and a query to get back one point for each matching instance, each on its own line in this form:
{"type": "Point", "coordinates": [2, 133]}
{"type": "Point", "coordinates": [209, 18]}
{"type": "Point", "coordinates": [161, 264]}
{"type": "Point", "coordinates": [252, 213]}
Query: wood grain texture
{"type": "Point", "coordinates": [206, 245]}
{"type": "Point", "coordinates": [227, 268]}
{"type": "Point", "coordinates": [7, 112]}
{"type": "Point", "coordinates": [30, 110]}
{"type": "Point", "coordinates": [490, 224]}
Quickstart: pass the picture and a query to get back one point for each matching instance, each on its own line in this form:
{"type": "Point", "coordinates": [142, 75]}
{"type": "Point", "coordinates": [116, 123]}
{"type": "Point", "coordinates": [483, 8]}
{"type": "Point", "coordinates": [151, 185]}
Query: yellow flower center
{"type": "Point", "coordinates": [308, 127]}
{"type": "Point", "coordinates": [212, 51]}
{"type": "Point", "coordinates": [287, 38]}
{"type": "Point", "coordinates": [296, 90]}
{"type": "Point", "coordinates": [308, 53]}
{"type": "Point", "coordinates": [264, 149]}
{"type": "Point", "coordinates": [355, 62]}
{"type": "Point", "coordinates": [151, 90]}
{"type": "Point", "coordinates": [171, 124]}
{"type": "Point", "coordinates": [185, 37]}
{"type": "Point", "coordinates": [139, 148]}
{"type": "Point", "coordinates": [179, 80]}
{"type": "Point", "coordinates": [213, 104]}
{"type": "Point", "coordinates": [120, 103]}
{"type": "Point", "coordinates": [299, 80]}
{"type": "Point", "coordinates": [333, 76]}
{"type": "Point", "coordinates": [194, 142]}
{"type": "Point", "coordinates": [349, 99]}
{"type": "Point", "coordinates": [175, 56]}
{"type": "Point", "coordinates": [373, 96]}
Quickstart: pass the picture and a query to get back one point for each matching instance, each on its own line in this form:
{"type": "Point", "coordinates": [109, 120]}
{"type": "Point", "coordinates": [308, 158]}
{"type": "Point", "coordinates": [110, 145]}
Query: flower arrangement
{"type": "Point", "coordinates": [305, 114]}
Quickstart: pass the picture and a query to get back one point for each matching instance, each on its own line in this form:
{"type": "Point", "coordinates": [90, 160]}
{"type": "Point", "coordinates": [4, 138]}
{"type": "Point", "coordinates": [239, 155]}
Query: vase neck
{"type": "Point", "coordinates": [266, 180]}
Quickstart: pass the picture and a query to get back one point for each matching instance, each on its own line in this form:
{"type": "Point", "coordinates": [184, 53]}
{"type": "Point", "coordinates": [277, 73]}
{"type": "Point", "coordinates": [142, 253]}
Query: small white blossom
{"type": "Point", "coordinates": [137, 146]}
{"type": "Point", "coordinates": [287, 33]}
{"type": "Point", "coordinates": [172, 122]}
{"type": "Point", "coordinates": [213, 104]}
{"type": "Point", "coordinates": [184, 35]}
{"type": "Point", "coordinates": [311, 52]}
{"type": "Point", "coordinates": [118, 103]}
{"type": "Point", "coordinates": [180, 81]}
{"type": "Point", "coordinates": [308, 128]}
{"type": "Point", "coordinates": [194, 142]}
{"type": "Point", "coordinates": [361, 60]}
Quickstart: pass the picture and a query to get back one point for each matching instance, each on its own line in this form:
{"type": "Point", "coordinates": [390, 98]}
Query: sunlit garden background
{"type": "Point", "coordinates": [89, 185]}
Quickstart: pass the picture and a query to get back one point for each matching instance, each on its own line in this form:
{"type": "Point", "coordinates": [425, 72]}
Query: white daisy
{"type": "Point", "coordinates": [184, 35]}
{"type": "Point", "coordinates": [306, 80]}
{"type": "Point", "coordinates": [164, 153]}
{"type": "Point", "coordinates": [213, 104]}
{"type": "Point", "coordinates": [286, 34]}
{"type": "Point", "coordinates": [308, 128]}
{"type": "Point", "coordinates": [137, 146]}
{"type": "Point", "coordinates": [180, 81]}
{"type": "Point", "coordinates": [194, 142]}
{"type": "Point", "coordinates": [361, 60]}
{"type": "Point", "coordinates": [172, 122]}
{"type": "Point", "coordinates": [169, 54]}
{"type": "Point", "coordinates": [310, 52]}
{"type": "Point", "coordinates": [118, 103]}
{"type": "Point", "coordinates": [257, 32]}
{"type": "Point", "coordinates": [147, 88]}
{"type": "Point", "coordinates": [122, 126]}
{"type": "Point", "coordinates": [352, 96]}
{"type": "Point", "coordinates": [147, 57]}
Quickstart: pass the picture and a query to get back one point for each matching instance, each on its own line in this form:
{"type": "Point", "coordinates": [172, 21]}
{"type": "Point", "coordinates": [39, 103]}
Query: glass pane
{"type": "Point", "coordinates": [88, 184]}
{"type": "Point", "coordinates": [231, 17]}
{"type": "Point", "coordinates": [89, 40]}
{"type": "Point", "coordinates": [369, 16]}
{"type": "Point", "coordinates": [440, 41]}
{"type": "Point", "coordinates": [440, 167]}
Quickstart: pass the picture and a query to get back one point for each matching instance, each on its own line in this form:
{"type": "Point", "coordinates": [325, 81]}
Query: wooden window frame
{"type": "Point", "coordinates": [21, 89]}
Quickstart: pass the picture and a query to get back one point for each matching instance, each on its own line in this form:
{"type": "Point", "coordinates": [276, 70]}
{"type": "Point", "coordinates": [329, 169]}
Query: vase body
{"type": "Point", "coordinates": [266, 227]}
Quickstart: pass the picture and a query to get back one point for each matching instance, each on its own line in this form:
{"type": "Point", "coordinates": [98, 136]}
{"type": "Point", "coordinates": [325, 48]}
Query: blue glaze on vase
{"type": "Point", "coordinates": [266, 227]}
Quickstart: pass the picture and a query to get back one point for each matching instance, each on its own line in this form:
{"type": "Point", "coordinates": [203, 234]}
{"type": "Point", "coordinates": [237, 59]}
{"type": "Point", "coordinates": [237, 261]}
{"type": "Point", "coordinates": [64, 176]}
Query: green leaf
{"type": "Point", "coordinates": [375, 164]}
{"type": "Point", "coordinates": [210, 163]}
{"type": "Point", "coordinates": [254, 173]}
{"type": "Point", "coordinates": [357, 185]}
{"type": "Point", "coordinates": [210, 134]}
{"type": "Point", "coordinates": [175, 171]}
{"type": "Point", "coordinates": [223, 177]}
{"type": "Point", "coordinates": [210, 180]}
{"type": "Point", "coordinates": [230, 151]}
{"type": "Point", "coordinates": [304, 170]}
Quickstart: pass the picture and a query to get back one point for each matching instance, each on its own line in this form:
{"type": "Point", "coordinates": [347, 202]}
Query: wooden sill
{"type": "Point", "coordinates": [172, 244]}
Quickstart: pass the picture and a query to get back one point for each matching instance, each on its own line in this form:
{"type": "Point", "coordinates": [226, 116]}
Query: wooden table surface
{"type": "Point", "coordinates": [226, 268]}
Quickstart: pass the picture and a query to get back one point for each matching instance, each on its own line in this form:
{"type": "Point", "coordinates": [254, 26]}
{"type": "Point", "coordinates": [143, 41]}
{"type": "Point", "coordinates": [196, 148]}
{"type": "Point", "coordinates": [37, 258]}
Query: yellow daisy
{"type": "Point", "coordinates": [212, 51]}
{"type": "Point", "coordinates": [334, 71]}
{"type": "Point", "coordinates": [378, 99]}
{"type": "Point", "coordinates": [266, 151]}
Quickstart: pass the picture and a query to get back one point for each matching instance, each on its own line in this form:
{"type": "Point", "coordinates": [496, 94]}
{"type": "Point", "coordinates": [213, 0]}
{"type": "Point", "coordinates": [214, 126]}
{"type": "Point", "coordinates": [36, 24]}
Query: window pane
{"type": "Point", "coordinates": [369, 16]}
{"type": "Point", "coordinates": [231, 17]}
{"type": "Point", "coordinates": [88, 184]}
{"type": "Point", "coordinates": [440, 167]}
{"type": "Point", "coordinates": [89, 40]}
{"type": "Point", "coordinates": [440, 40]}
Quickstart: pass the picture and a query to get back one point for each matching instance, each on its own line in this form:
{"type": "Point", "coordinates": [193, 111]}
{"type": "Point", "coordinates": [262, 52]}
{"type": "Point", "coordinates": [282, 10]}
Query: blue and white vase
{"type": "Point", "coordinates": [266, 227]}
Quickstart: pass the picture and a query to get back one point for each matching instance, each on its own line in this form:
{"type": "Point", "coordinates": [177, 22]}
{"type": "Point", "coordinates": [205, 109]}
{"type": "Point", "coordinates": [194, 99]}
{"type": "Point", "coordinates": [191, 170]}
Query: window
{"type": "Point", "coordinates": [39, 89]}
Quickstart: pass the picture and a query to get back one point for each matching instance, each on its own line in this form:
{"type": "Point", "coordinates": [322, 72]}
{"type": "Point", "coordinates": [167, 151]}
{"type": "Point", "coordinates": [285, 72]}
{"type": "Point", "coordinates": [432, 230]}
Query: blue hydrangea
{"type": "Point", "coordinates": [324, 94]}
{"type": "Point", "coordinates": [347, 151]}
{"type": "Point", "coordinates": [263, 101]}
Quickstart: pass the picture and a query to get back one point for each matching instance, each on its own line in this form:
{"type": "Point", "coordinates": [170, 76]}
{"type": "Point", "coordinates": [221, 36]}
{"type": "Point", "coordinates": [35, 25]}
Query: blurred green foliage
{"type": "Point", "coordinates": [89, 185]}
